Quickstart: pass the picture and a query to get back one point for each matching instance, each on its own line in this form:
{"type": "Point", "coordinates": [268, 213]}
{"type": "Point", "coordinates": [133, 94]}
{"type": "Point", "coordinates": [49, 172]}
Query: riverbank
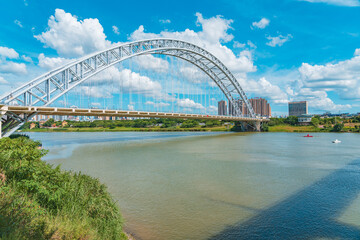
{"type": "Point", "coordinates": [38, 201]}
{"type": "Point", "coordinates": [309, 128]}
{"type": "Point", "coordinates": [130, 129]}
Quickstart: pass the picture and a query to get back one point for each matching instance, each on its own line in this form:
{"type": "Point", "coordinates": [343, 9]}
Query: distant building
{"type": "Point", "coordinates": [238, 103]}
{"type": "Point", "coordinates": [260, 105]}
{"type": "Point", "coordinates": [32, 125]}
{"type": "Point", "coordinates": [222, 108]}
{"type": "Point", "coordinates": [298, 108]}
{"type": "Point", "coordinates": [304, 119]}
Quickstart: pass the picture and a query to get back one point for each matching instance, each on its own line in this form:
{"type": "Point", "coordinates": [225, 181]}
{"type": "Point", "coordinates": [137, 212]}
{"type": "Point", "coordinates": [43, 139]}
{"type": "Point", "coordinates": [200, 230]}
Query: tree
{"type": "Point", "coordinates": [292, 120]}
{"type": "Point", "coordinates": [315, 122]}
{"type": "Point", "coordinates": [190, 124]}
{"type": "Point", "coordinates": [338, 127]}
{"type": "Point", "coordinates": [48, 123]}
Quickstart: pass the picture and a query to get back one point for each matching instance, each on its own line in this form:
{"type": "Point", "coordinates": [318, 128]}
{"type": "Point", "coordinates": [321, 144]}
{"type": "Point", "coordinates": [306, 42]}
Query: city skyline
{"type": "Point", "coordinates": [276, 54]}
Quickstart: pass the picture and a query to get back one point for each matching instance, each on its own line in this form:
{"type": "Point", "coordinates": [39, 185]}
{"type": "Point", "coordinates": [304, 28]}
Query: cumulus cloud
{"type": "Point", "coordinates": [115, 30]}
{"type": "Point", "coordinates": [96, 92]}
{"type": "Point", "coordinates": [263, 23]}
{"type": "Point", "coordinates": [3, 81]}
{"type": "Point", "coordinates": [71, 37]}
{"type": "Point", "coordinates": [151, 62]}
{"type": "Point", "coordinates": [27, 59]}
{"type": "Point", "coordinates": [159, 104]}
{"type": "Point", "coordinates": [264, 88]}
{"type": "Point", "coordinates": [278, 40]}
{"type": "Point", "coordinates": [129, 81]}
{"type": "Point", "coordinates": [8, 53]}
{"type": "Point", "coordinates": [193, 74]}
{"type": "Point", "coordinates": [51, 63]}
{"type": "Point", "coordinates": [12, 67]}
{"type": "Point", "coordinates": [189, 104]}
{"type": "Point", "coordinates": [347, 3]}
{"type": "Point", "coordinates": [342, 77]}
{"type": "Point", "coordinates": [212, 37]}
{"type": "Point", "coordinates": [318, 100]}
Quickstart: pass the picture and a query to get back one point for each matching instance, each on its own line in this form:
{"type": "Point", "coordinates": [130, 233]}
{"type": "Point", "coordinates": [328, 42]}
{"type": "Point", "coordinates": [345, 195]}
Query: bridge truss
{"type": "Point", "coordinates": [45, 89]}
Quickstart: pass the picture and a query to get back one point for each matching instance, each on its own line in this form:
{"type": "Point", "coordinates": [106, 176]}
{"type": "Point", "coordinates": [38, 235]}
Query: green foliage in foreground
{"type": "Point", "coordinates": [38, 201]}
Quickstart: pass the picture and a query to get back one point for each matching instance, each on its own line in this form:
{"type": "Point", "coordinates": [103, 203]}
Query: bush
{"type": "Point", "coordinates": [338, 127]}
{"type": "Point", "coordinates": [38, 201]}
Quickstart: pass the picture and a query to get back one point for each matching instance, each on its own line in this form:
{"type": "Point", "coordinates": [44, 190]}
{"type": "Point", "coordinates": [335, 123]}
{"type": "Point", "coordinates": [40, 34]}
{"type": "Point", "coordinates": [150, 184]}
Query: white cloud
{"type": "Point", "coordinates": [17, 22]}
{"type": "Point", "coordinates": [115, 30]}
{"type": "Point", "coordinates": [131, 107]}
{"type": "Point", "coordinates": [238, 44]}
{"type": "Point", "coordinates": [8, 53]}
{"type": "Point", "coordinates": [212, 36]}
{"type": "Point", "coordinates": [193, 74]}
{"type": "Point", "coordinates": [96, 92]}
{"type": "Point", "coordinates": [251, 44]}
{"type": "Point", "coordinates": [129, 81]}
{"type": "Point", "coordinates": [263, 23]}
{"type": "Point", "coordinates": [342, 77]}
{"type": "Point", "coordinates": [158, 104]}
{"type": "Point", "coordinates": [71, 37]}
{"type": "Point", "coordinates": [51, 63]}
{"type": "Point", "coordinates": [14, 68]}
{"type": "Point", "coordinates": [3, 81]}
{"type": "Point", "coordinates": [263, 88]}
{"type": "Point", "coordinates": [189, 104]}
{"type": "Point", "coordinates": [319, 100]}
{"type": "Point", "coordinates": [27, 59]}
{"type": "Point", "coordinates": [213, 109]}
{"type": "Point", "coordinates": [347, 3]}
{"type": "Point", "coordinates": [278, 40]}
{"type": "Point", "coordinates": [151, 62]}
{"type": "Point", "coordinates": [164, 21]}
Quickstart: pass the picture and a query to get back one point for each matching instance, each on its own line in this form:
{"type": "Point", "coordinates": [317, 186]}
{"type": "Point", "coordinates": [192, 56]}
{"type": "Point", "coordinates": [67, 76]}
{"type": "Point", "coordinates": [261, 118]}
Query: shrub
{"type": "Point", "coordinates": [38, 201]}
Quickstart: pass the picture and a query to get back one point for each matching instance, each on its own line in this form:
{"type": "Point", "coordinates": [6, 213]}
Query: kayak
{"type": "Point", "coordinates": [308, 136]}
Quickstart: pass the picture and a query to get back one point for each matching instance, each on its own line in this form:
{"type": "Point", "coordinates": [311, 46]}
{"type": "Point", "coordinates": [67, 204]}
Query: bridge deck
{"type": "Point", "coordinates": [59, 111]}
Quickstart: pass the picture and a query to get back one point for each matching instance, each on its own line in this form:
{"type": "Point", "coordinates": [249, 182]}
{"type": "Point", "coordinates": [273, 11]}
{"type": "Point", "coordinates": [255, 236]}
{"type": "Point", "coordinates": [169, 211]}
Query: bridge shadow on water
{"type": "Point", "coordinates": [308, 214]}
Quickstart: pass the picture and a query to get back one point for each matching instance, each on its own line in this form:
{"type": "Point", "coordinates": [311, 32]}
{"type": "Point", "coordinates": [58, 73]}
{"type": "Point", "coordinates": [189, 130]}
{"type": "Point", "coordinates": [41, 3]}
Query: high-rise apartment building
{"type": "Point", "coordinates": [238, 103]}
{"type": "Point", "coordinates": [222, 108]}
{"type": "Point", "coordinates": [260, 105]}
{"type": "Point", "coordinates": [298, 108]}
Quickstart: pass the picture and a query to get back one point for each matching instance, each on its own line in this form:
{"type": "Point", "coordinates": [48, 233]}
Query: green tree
{"type": "Point", "coordinates": [292, 120]}
{"type": "Point", "coordinates": [338, 127]}
{"type": "Point", "coordinates": [49, 122]}
{"type": "Point", "coordinates": [315, 122]}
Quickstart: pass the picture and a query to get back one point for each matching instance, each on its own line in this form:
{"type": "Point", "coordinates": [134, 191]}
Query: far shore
{"type": "Point", "coordinates": [129, 129]}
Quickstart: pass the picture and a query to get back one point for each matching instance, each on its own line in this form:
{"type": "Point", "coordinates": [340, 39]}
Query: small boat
{"type": "Point", "coordinates": [308, 136]}
{"type": "Point", "coordinates": [336, 141]}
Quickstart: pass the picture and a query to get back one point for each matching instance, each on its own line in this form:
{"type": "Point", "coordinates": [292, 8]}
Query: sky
{"type": "Point", "coordinates": [283, 50]}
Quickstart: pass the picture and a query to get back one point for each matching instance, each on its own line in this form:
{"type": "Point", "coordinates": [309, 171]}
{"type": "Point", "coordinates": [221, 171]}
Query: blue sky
{"type": "Point", "coordinates": [282, 50]}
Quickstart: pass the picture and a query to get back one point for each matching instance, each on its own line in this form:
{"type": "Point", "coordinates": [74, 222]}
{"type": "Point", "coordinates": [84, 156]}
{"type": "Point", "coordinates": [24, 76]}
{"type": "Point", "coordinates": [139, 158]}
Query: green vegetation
{"type": "Point", "coordinates": [128, 125]}
{"type": "Point", "coordinates": [334, 124]}
{"type": "Point", "coordinates": [38, 201]}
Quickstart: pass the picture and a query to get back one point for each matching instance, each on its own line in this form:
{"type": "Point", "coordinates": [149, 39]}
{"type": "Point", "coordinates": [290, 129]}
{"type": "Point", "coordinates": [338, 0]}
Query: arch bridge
{"type": "Point", "coordinates": [36, 96]}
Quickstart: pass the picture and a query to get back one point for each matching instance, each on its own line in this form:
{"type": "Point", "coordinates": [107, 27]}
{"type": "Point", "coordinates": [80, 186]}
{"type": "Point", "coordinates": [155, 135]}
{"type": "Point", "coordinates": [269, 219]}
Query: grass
{"type": "Point", "coordinates": [38, 201]}
{"type": "Point", "coordinates": [289, 128]}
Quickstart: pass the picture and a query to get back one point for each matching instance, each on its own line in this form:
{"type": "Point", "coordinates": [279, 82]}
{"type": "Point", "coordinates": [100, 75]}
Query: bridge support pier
{"type": "Point", "coordinates": [257, 126]}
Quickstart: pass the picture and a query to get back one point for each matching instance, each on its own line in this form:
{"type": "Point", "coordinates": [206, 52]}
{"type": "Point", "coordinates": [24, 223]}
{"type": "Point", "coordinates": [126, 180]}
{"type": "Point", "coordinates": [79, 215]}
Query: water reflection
{"type": "Point", "coordinates": [309, 214]}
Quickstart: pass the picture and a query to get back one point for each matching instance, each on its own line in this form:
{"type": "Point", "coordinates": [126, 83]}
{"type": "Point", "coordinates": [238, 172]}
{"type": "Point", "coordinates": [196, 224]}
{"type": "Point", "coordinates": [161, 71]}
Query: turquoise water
{"type": "Point", "coordinates": [222, 186]}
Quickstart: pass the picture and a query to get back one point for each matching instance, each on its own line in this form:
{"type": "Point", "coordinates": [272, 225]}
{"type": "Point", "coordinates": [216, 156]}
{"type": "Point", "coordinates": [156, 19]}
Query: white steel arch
{"type": "Point", "coordinates": [45, 89]}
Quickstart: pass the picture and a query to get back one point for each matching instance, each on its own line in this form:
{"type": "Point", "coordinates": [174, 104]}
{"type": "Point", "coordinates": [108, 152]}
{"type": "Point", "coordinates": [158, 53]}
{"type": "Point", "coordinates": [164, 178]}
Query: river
{"type": "Point", "coordinates": [222, 185]}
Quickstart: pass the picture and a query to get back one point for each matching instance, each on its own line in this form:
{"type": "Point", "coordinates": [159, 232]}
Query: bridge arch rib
{"type": "Point", "coordinates": [45, 89]}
